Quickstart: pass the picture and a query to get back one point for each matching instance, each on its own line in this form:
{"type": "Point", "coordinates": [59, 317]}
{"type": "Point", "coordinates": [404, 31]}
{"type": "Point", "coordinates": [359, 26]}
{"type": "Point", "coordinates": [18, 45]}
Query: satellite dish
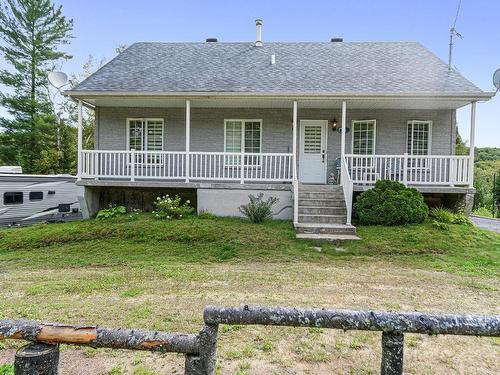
{"type": "Point", "coordinates": [58, 79]}
{"type": "Point", "coordinates": [496, 79]}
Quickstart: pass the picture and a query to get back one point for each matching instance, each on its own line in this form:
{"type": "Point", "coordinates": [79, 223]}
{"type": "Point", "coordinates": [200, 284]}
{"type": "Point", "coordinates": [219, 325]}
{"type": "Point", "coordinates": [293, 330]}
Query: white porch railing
{"type": "Point", "coordinates": [347, 187]}
{"type": "Point", "coordinates": [214, 166]}
{"type": "Point", "coordinates": [447, 170]}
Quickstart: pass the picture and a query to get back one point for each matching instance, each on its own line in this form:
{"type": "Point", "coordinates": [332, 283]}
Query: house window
{"type": "Point", "coordinates": [13, 197]}
{"type": "Point", "coordinates": [36, 195]}
{"type": "Point", "coordinates": [246, 134]}
{"type": "Point", "coordinates": [419, 137]}
{"type": "Point", "coordinates": [363, 137]}
{"type": "Point", "coordinates": [145, 134]}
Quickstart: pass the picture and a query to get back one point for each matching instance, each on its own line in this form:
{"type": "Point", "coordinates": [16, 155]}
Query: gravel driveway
{"type": "Point", "coordinates": [486, 223]}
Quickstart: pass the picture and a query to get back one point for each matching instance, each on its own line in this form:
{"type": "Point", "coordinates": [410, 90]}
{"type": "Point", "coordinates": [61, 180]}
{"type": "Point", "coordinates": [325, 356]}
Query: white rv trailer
{"type": "Point", "coordinates": [26, 199]}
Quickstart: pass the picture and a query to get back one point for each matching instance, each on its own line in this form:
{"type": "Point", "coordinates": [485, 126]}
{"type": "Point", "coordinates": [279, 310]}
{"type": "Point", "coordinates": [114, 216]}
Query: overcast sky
{"type": "Point", "coordinates": [100, 26]}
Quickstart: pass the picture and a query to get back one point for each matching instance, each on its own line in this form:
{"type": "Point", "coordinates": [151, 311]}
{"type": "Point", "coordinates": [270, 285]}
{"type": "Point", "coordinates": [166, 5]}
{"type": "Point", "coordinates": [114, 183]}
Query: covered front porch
{"type": "Point", "coordinates": [276, 140]}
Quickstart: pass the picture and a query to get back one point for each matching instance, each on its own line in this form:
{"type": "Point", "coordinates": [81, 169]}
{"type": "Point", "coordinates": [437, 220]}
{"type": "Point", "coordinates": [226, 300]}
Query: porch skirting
{"type": "Point", "coordinates": [217, 198]}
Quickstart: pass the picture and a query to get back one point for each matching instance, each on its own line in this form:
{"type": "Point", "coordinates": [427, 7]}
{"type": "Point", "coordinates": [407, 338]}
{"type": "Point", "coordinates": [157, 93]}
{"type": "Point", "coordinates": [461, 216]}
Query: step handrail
{"type": "Point", "coordinates": [347, 187]}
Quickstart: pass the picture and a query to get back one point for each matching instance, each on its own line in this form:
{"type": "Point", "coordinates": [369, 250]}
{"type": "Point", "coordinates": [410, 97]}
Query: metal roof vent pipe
{"type": "Point", "coordinates": [258, 39]}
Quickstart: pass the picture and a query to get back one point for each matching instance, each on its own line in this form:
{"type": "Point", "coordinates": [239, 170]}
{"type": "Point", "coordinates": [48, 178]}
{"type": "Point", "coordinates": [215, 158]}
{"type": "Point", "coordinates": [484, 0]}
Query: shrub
{"type": "Point", "coordinates": [442, 215]}
{"type": "Point", "coordinates": [111, 212]}
{"type": "Point", "coordinates": [391, 203]}
{"type": "Point", "coordinates": [171, 208]}
{"type": "Point", "coordinates": [258, 210]}
{"type": "Point", "coordinates": [461, 219]}
{"type": "Point", "coordinates": [206, 215]}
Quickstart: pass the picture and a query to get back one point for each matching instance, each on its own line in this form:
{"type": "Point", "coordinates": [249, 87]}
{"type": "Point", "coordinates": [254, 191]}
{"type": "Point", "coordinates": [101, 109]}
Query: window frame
{"type": "Point", "coordinates": [242, 143]}
{"type": "Point", "coordinates": [429, 139]}
{"type": "Point", "coordinates": [35, 199]}
{"type": "Point", "coordinates": [145, 132]}
{"type": "Point", "coordinates": [151, 159]}
{"type": "Point", "coordinates": [13, 203]}
{"type": "Point", "coordinates": [353, 123]}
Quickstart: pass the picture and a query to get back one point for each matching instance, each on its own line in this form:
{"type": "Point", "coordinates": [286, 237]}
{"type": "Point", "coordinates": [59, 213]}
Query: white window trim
{"type": "Point", "coordinates": [429, 141]}
{"type": "Point", "coordinates": [145, 135]}
{"type": "Point", "coordinates": [242, 140]}
{"type": "Point", "coordinates": [374, 135]}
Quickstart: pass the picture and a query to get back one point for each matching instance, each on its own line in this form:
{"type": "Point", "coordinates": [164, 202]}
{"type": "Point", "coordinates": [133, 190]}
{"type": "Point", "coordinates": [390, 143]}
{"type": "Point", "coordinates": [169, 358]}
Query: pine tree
{"type": "Point", "coordinates": [32, 32]}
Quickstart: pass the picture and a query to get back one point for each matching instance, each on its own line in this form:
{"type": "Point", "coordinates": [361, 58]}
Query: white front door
{"type": "Point", "coordinates": [312, 158]}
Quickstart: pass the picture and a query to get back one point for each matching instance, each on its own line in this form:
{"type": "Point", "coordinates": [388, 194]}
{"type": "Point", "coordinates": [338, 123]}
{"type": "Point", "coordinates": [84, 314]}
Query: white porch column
{"type": "Point", "coordinates": [295, 178]}
{"type": "Point", "coordinates": [79, 140]}
{"type": "Point", "coordinates": [342, 140]}
{"type": "Point", "coordinates": [188, 137]}
{"type": "Point", "coordinates": [294, 145]}
{"type": "Point", "coordinates": [472, 142]}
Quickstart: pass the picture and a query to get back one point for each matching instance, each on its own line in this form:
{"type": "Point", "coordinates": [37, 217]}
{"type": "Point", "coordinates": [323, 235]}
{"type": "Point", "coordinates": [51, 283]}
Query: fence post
{"type": "Point", "coordinates": [405, 169]}
{"type": "Point", "coordinates": [392, 353]}
{"type": "Point", "coordinates": [37, 359]}
{"type": "Point", "coordinates": [132, 165]}
{"type": "Point", "coordinates": [208, 348]}
{"type": "Point", "coordinates": [192, 365]}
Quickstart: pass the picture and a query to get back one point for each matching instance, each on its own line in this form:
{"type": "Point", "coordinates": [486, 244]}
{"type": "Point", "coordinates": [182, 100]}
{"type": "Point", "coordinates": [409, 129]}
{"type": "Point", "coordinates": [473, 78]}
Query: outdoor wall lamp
{"type": "Point", "coordinates": [334, 124]}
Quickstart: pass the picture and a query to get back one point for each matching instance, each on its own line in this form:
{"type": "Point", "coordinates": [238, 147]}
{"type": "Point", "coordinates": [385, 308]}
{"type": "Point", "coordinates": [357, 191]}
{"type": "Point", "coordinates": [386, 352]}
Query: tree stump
{"type": "Point", "coordinates": [37, 359]}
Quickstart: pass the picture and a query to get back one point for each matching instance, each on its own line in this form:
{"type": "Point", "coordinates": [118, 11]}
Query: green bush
{"type": "Point", "coordinates": [111, 212]}
{"type": "Point", "coordinates": [443, 215]}
{"type": "Point", "coordinates": [258, 209]}
{"type": "Point", "coordinates": [461, 219]}
{"type": "Point", "coordinates": [391, 203]}
{"type": "Point", "coordinates": [171, 208]}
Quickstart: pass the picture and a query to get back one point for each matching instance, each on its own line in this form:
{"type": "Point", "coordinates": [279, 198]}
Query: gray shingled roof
{"type": "Point", "coordinates": [366, 67]}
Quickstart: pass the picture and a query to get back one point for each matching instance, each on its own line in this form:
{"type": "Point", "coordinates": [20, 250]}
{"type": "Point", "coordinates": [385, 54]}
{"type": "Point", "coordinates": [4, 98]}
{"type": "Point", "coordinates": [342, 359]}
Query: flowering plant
{"type": "Point", "coordinates": [171, 208]}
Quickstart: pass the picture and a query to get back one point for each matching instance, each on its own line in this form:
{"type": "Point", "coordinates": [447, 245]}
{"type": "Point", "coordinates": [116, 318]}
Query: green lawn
{"type": "Point", "coordinates": [153, 274]}
{"type": "Point", "coordinates": [149, 242]}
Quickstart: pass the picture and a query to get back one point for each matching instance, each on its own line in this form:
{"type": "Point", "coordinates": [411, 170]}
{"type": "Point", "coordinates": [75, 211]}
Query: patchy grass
{"type": "Point", "coordinates": [153, 243]}
{"type": "Point", "coordinates": [159, 275]}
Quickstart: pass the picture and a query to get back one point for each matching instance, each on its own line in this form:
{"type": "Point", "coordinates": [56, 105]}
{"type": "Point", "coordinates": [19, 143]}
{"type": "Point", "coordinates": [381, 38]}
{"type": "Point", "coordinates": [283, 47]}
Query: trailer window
{"type": "Point", "coordinates": [13, 197]}
{"type": "Point", "coordinates": [36, 195]}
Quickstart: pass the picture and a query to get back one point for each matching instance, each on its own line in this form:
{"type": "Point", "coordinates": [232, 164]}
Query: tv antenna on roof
{"type": "Point", "coordinates": [454, 32]}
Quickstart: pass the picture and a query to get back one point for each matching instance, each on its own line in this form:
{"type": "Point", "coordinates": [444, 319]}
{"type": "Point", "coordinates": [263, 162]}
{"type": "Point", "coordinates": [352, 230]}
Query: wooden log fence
{"type": "Point", "coordinates": [393, 325]}
{"type": "Point", "coordinates": [41, 356]}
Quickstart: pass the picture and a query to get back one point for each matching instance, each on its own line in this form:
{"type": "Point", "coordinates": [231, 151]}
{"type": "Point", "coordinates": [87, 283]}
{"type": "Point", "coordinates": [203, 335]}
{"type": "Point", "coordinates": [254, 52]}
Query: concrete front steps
{"type": "Point", "coordinates": [322, 214]}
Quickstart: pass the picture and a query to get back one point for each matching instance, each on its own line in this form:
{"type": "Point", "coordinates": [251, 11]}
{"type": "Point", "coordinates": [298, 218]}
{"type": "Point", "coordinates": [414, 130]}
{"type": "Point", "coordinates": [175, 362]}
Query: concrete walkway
{"type": "Point", "coordinates": [487, 223]}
